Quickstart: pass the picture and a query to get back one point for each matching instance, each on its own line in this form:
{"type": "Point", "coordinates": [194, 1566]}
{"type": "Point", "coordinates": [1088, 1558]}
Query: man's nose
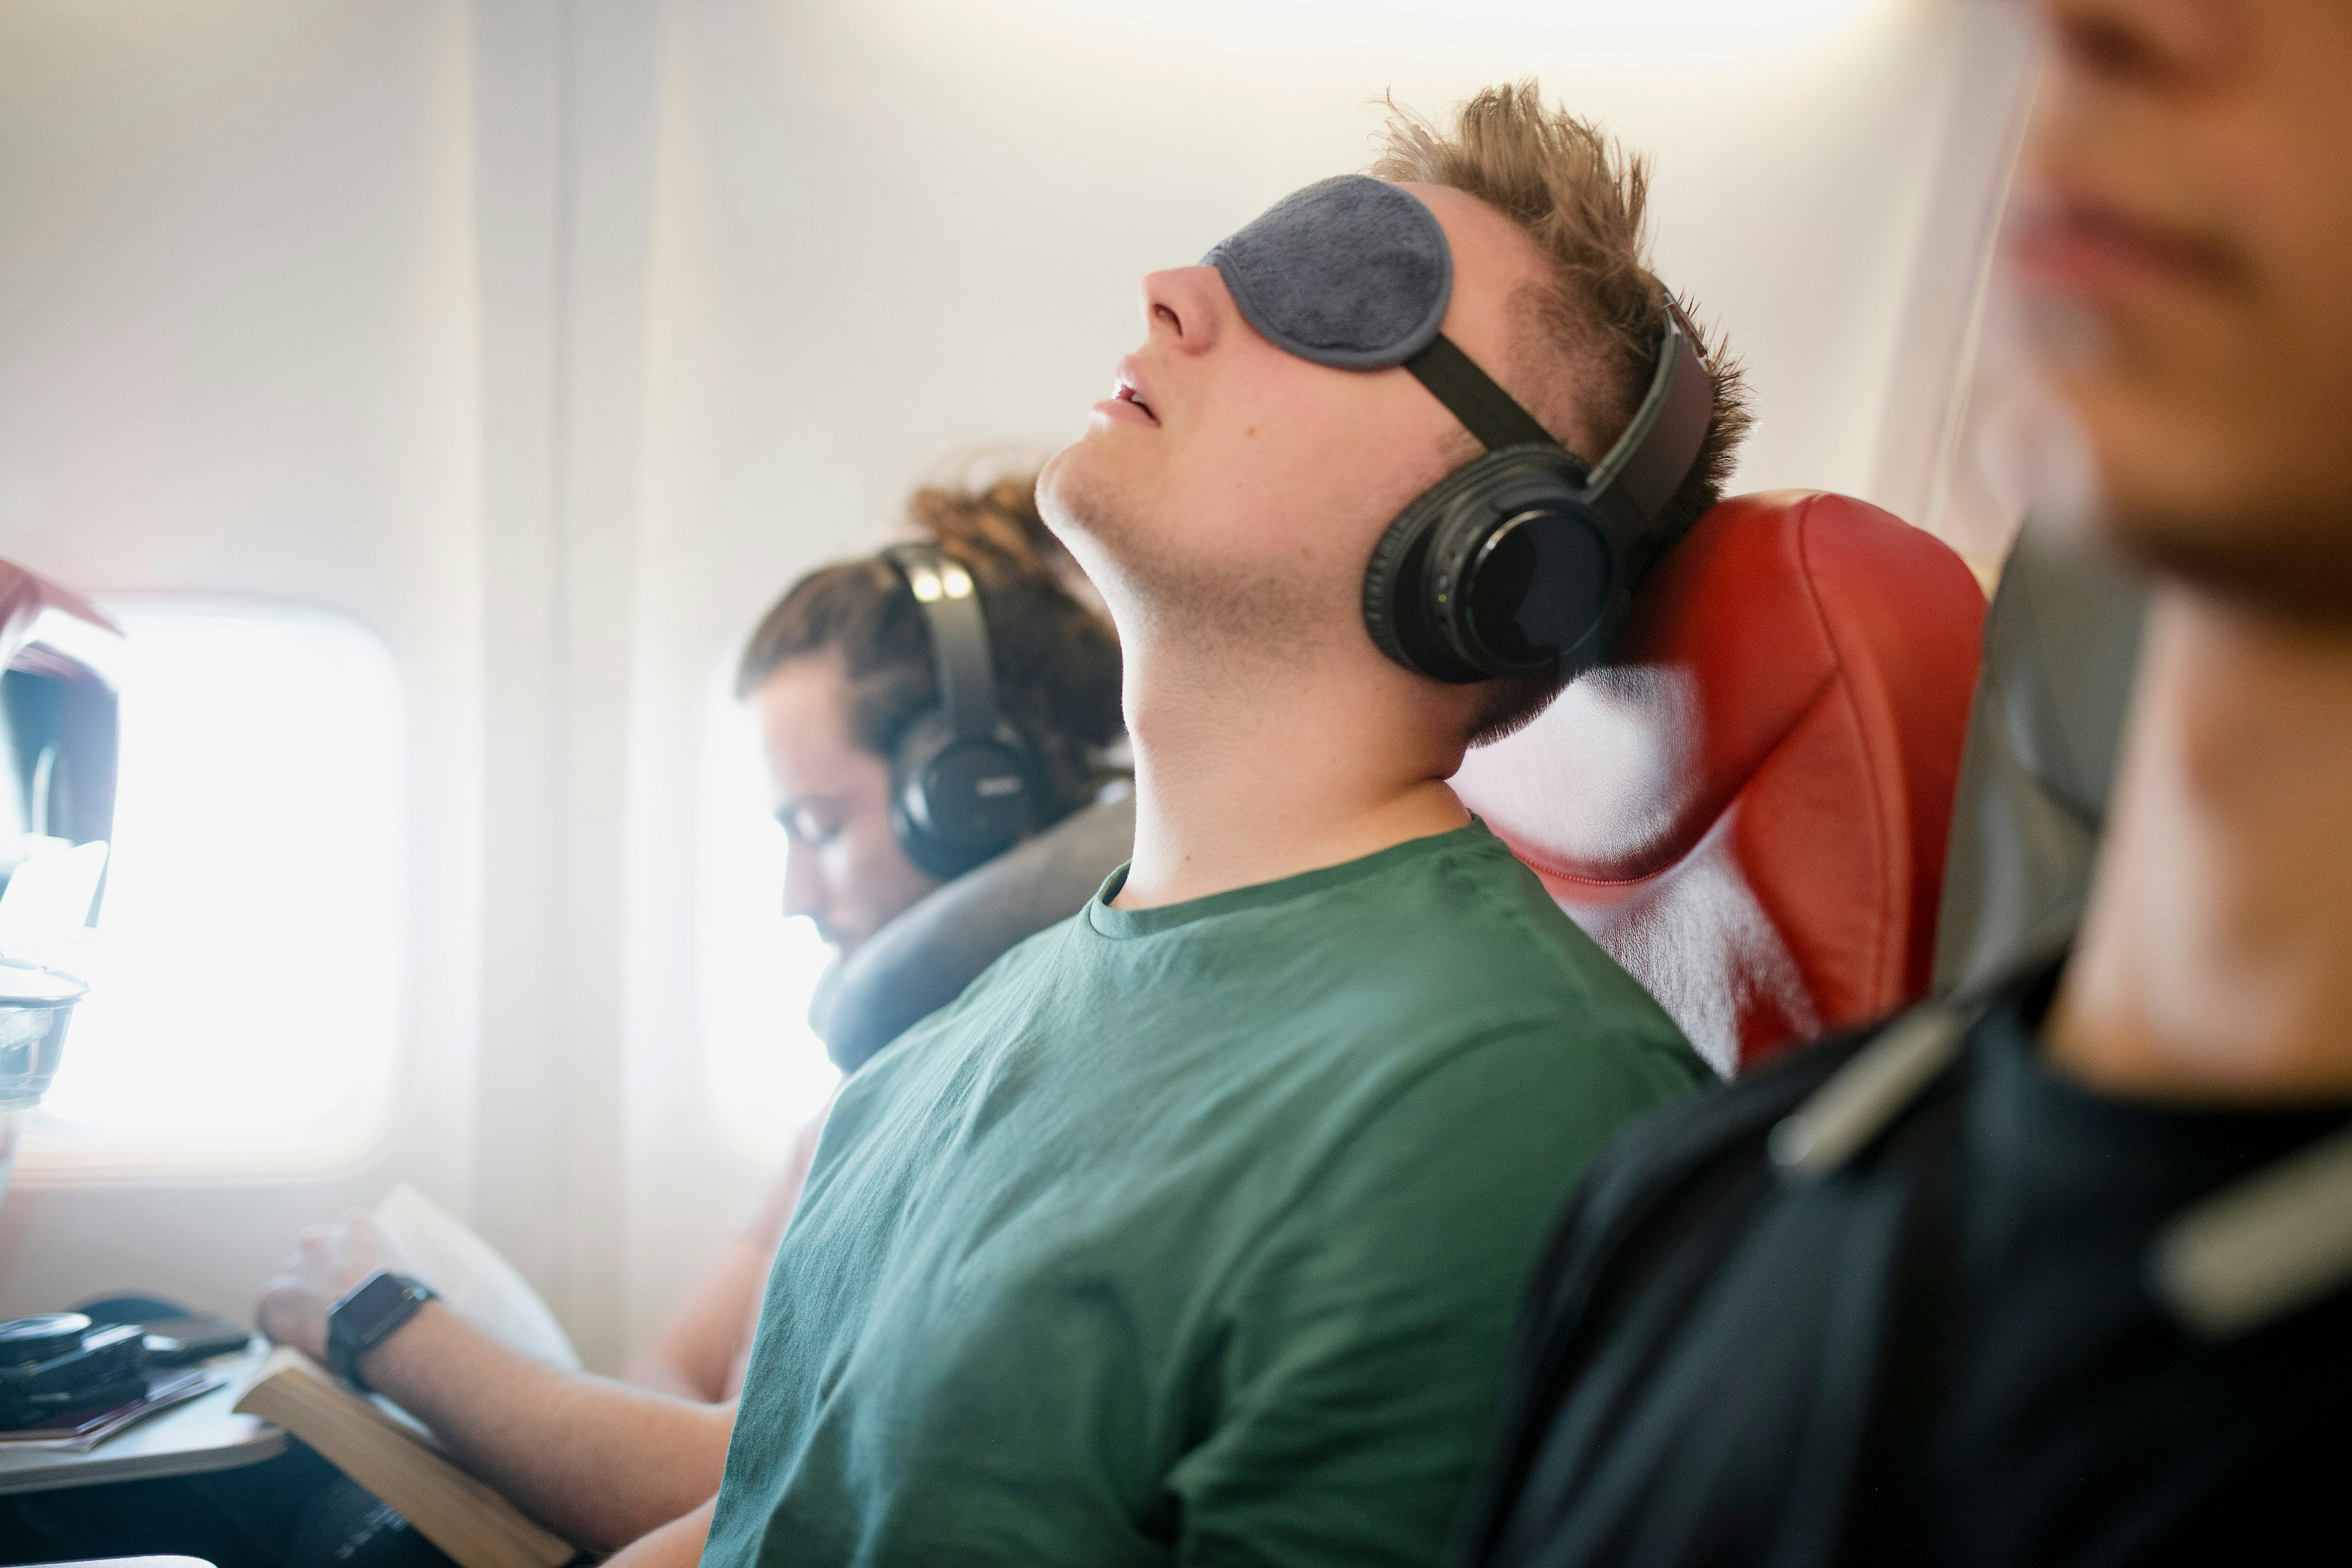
{"type": "Point", "coordinates": [803, 886]}
{"type": "Point", "coordinates": [1186, 307]}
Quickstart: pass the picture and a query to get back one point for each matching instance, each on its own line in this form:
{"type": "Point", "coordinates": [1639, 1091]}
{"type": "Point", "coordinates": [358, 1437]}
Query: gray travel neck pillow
{"type": "Point", "coordinates": [922, 961]}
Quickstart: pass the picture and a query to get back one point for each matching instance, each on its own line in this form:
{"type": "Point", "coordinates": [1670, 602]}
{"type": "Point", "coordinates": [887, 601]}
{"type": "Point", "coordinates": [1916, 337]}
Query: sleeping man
{"type": "Point", "coordinates": [1192, 1230]}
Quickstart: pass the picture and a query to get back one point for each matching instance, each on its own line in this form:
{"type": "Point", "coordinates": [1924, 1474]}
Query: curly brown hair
{"type": "Point", "coordinates": [1056, 659]}
{"type": "Point", "coordinates": [1591, 340]}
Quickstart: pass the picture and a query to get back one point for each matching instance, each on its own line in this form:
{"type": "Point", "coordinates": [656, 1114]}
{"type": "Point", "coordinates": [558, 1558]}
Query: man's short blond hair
{"type": "Point", "coordinates": [1591, 336]}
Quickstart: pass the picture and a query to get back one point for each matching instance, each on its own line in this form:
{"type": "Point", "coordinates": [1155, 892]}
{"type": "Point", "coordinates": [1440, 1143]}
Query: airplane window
{"type": "Point", "coordinates": [246, 966]}
{"type": "Point", "coordinates": [768, 1070]}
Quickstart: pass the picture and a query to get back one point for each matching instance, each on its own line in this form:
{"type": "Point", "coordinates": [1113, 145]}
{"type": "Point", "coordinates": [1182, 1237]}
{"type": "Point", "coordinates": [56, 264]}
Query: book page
{"type": "Point", "coordinates": [478, 1285]}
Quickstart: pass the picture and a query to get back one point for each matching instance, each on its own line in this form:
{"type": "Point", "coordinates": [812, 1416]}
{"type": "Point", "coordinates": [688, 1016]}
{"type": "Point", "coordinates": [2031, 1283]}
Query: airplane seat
{"type": "Point", "coordinates": [1748, 807]}
{"type": "Point", "coordinates": [2062, 647]}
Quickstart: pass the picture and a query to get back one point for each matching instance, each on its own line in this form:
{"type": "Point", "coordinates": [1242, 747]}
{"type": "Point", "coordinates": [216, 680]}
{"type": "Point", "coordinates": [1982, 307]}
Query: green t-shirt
{"type": "Point", "coordinates": [1190, 1235]}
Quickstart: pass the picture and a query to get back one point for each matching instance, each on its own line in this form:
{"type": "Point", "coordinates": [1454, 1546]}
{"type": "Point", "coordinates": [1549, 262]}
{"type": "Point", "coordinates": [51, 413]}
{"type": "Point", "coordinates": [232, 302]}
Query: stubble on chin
{"type": "Point", "coordinates": [2191, 493]}
{"type": "Point", "coordinates": [1162, 583]}
{"type": "Point", "coordinates": [2295, 565]}
{"type": "Point", "coordinates": [1075, 503]}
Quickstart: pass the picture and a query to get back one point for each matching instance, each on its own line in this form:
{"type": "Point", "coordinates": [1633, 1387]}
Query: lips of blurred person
{"type": "Point", "coordinates": [2105, 258]}
{"type": "Point", "coordinates": [845, 873]}
{"type": "Point", "coordinates": [2184, 244]}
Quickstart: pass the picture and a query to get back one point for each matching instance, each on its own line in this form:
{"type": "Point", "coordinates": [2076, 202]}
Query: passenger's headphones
{"type": "Point", "coordinates": [964, 784]}
{"type": "Point", "coordinates": [1523, 562]}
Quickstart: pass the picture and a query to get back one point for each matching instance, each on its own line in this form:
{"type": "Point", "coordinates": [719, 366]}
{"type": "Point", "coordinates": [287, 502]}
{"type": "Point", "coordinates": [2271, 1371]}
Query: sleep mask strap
{"type": "Point", "coordinates": [1485, 410]}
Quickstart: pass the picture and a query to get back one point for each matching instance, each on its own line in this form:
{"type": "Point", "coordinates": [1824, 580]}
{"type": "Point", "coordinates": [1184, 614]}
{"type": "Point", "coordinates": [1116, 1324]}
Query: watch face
{"type": "Point", "coordinates": [369, 1308]}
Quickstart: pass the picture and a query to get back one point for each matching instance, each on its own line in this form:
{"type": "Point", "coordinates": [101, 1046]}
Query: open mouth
{"type": "Point", "coordinates": [1130, 393]}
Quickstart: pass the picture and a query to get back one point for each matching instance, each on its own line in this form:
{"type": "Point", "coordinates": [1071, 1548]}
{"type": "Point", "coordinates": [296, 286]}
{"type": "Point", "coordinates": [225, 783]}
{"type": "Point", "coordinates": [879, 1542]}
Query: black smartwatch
{"type": "Point", "coordinates": [366, 1316]}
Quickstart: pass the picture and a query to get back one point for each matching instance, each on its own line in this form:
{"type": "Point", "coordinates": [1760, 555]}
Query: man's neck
{"type": "Point", "coordinates": [2215, 962]}
{"type": "Point", "coordinates": [1243, 777]}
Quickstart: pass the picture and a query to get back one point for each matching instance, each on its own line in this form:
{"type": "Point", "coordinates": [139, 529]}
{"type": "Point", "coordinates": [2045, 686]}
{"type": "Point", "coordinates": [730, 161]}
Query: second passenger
{"type": "Point", "coordinates": [1196, 1225]}
{"type": "Point", "coordinates": [845, 677]}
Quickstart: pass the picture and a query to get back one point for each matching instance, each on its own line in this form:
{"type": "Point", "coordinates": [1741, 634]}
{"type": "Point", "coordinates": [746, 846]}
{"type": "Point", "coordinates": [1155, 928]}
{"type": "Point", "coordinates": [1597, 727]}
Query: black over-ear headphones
{"type": "Point", "coordinates": [964, 784]}
{"type": "Point", "coordinates": [1522, 562]}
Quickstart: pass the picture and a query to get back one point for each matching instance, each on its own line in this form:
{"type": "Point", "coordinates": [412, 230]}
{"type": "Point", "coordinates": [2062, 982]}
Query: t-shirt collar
{"type": "Point", "coordinates": [1123, 924]}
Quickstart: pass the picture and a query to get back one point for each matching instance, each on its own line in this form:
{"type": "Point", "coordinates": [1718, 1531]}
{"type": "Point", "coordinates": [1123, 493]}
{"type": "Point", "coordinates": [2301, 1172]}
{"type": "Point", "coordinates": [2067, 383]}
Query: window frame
{"type": "Point", "coordinates": [54, 1153]}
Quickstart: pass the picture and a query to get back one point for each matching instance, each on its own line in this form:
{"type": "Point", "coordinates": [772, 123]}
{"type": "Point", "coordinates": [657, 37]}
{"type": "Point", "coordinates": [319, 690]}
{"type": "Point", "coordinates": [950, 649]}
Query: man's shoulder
{"type": "Point", "coordinates": [1491, 937]}
{"type": "Point", "coordinates": [1451, 958]}
{"type": "Point", "coordinates": [1021, 970]}
{"type": "Point", "coordinates": [1473, 917]}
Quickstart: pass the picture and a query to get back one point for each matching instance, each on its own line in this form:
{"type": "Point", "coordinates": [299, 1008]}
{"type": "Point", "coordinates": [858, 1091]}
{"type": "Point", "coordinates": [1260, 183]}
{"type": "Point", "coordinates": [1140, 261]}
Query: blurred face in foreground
{"type": "Point", "coordinates": [2187, 249]}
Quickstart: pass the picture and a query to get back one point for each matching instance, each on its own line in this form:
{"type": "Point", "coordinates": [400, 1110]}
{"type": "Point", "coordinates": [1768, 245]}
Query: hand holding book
{"type": "Point", "coordinates": [371, 1440]}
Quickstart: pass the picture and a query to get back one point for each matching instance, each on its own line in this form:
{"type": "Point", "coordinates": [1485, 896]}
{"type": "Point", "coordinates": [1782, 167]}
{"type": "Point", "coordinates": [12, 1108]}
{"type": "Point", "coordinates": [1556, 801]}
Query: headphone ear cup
{"type": "Point", "coordinates": [958, 802]}
{"type": "Point", "coordinates": [1534, 581]}
{"type": "Point", "coordinates": [1396, 592]}
{"type": "Point", "coordinates": [910, 807]}
{"type": "Point", "coordinates": [1383, 581]}
{"type": "Point", "coordinates": [1419, 583]}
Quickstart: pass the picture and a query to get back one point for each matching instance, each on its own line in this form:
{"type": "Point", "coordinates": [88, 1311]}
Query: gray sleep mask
{"type": "Point", "coordinates": [1351, 271]}
{"type": "Point", "coordinates": [1355, 273]}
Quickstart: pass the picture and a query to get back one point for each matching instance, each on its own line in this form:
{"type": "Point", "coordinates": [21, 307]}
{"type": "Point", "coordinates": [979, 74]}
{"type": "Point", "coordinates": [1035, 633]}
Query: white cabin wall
{"type": "Point", "coordinates": [565, 95]}
{"type": "Point", "coordinates": [1922, 463]}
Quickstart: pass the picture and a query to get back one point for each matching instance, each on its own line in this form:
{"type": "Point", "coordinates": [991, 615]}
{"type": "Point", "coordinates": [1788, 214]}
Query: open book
{"type": "Point", "coordinates": [382, 1446]}
{"type": "Point", "coordinates": [473, 1281]}
{"type": "Point", "coordinates": [473, 1524]}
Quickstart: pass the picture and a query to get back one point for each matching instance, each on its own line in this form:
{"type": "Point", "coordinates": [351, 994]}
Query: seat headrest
{"type": "Point", "coordinates": [1748, 806]}
{"type": "Point", "coordinates": [2060, 649]}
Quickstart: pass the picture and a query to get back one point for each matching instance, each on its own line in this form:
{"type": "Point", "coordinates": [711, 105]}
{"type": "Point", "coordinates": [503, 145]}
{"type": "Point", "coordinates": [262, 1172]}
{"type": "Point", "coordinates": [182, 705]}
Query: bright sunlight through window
{"type": "Point", "coordinates": [244, 977]}
{"type": "Point", "coordinates": [768, 1072]}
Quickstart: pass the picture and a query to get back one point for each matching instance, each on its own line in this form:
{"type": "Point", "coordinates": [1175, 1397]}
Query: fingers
{"type": "Point", "coordinates": [327, 1261]}
{"type": "Point", "coordinates": [270, 1313]}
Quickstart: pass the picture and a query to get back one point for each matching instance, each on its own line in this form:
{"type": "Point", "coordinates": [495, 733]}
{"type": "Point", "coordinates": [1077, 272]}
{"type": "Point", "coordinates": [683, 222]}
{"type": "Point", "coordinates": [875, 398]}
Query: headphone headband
{"type": "Point", "coordinates": [1654, 455]}
{"type": "Point", "coordinates": [950, 602]}
{"type": "Point", "coordinates": [964, 785]}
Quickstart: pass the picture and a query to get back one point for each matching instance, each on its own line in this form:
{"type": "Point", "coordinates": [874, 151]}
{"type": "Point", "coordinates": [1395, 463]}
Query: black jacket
{"type": "Point", "coordinates": [1948, 1348]}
